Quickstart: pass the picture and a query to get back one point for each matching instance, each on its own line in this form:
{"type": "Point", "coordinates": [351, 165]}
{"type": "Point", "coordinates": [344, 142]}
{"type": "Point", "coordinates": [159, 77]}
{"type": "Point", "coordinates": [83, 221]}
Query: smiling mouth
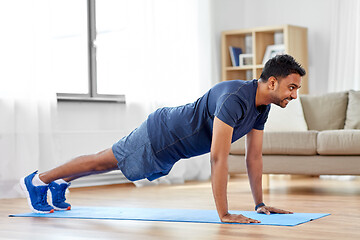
{"type": "Point", "coordinates": [287, 100]}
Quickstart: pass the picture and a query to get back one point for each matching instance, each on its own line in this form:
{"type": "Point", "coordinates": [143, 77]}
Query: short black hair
{"type": "Point", "coordinates": [281, 66]}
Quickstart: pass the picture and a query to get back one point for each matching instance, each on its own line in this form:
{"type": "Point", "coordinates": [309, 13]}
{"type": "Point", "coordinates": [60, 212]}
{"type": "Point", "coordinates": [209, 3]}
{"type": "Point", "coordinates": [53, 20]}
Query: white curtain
{"type": "Point", "coordinates": [27, 101]}
{"type": "Point", "coordinates": [158, 46]}
{"type": "Point", "coordinates": [344, 66]}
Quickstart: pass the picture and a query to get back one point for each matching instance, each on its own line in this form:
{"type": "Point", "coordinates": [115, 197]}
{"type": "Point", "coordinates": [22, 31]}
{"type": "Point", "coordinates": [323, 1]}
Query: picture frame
{"type": "Point", "coordinates": [246, 59]}
{"type": "Point", "coordinates": [272, 51]}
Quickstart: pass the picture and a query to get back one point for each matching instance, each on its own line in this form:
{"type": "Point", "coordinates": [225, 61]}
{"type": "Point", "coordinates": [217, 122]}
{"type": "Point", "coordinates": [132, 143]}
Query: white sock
{"type": "Point", "coordinates": [37, 182]}
{"type": "Point", "coordinates": [60, 181]}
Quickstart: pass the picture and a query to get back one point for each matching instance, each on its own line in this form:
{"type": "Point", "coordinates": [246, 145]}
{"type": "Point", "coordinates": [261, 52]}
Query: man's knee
{"type": "Point", "coordinates": [104, 161]}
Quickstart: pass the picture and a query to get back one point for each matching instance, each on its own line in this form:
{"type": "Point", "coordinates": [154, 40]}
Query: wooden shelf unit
{"type": "Point", "coordinates": [294, 40]}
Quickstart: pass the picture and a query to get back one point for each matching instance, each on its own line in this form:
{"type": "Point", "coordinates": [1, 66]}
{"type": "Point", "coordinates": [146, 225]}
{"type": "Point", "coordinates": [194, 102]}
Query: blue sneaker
{"type": "Point", "coordinates": [36, 195]}
{"type": "Point", "coordinates": [57, 196]}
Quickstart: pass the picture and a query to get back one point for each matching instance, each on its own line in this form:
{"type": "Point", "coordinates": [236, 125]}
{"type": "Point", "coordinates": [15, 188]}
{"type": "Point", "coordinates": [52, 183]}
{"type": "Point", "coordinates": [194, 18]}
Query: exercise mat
{"type": "Point", "coordinates": [174, 215]}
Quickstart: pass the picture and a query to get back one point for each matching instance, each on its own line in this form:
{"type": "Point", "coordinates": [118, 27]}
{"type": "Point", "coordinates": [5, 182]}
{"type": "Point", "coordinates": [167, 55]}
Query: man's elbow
{"type": "Point", "coordinates": [217, 160]}
{"type": "Point", "coordinates": [213, 160]}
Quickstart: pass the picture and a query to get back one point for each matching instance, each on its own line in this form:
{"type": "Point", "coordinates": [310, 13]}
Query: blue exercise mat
{"type": "Point", "coordinates": [173, 215]}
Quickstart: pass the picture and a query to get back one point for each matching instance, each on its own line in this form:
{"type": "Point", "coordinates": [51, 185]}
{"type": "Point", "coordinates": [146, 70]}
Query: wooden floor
{"type": "Point", "coordinates": [340, 198]}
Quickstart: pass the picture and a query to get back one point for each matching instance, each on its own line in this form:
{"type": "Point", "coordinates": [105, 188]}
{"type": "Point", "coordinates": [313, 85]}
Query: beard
{"type": "Point", "coordinates": [281, 102]}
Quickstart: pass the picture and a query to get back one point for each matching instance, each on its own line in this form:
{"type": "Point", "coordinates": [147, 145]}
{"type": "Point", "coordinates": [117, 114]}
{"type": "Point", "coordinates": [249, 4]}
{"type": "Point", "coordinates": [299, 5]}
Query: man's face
{"type": "Point", "coordinates": [285, 89]}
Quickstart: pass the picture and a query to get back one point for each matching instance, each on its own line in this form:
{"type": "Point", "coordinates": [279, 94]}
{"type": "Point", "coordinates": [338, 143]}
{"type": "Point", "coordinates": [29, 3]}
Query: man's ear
{"type": "Point", "coordinates": [272, 83]}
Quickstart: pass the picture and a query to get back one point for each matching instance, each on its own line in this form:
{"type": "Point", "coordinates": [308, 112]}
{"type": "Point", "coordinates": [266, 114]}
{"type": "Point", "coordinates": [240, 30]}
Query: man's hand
{"type": "Point", "coordinates": [237, 218]}
{"type": "Point", "coordinates": [267, 210]}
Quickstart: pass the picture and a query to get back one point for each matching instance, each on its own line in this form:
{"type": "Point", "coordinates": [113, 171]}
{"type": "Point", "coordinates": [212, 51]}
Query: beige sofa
{"type": "Point", "coordinates": [317, 135]}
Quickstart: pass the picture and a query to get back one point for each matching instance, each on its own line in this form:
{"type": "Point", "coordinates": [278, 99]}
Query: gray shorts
{"type": "Point", "coordinates": [136, 158]}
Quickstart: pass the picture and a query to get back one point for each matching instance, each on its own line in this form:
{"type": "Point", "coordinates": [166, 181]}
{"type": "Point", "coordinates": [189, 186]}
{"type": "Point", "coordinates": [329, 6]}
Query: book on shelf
{"type": "Point", "coordinates": [234, 55]}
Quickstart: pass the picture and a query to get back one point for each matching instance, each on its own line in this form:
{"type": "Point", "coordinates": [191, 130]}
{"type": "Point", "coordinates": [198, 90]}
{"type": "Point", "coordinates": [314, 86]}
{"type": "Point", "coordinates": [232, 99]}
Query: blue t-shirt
{"type": "Point", "coordinates": [186, 131]}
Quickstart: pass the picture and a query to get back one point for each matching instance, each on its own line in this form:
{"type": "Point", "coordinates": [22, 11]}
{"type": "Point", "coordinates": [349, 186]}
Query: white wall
{"type": "Point", "coordinates": [315, 15]}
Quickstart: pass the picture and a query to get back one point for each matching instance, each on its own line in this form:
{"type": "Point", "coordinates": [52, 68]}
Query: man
{"type": "Point", "coordinates": [228, 111]}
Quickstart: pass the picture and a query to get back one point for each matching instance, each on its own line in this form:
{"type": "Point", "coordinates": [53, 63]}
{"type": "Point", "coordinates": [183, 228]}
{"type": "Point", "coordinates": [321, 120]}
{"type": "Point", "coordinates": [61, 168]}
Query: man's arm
{"type": "Point", "coordinates": [254, 164]}
{"type": "Point", "coordinates": [220, 148]}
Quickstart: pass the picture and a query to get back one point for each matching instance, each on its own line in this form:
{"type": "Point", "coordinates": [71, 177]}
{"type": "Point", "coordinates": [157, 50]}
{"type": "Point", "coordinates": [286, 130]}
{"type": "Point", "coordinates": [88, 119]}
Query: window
{"type": "Point", "coordinates": [82, 71]}
{"type": "Point", "coordinates": [146, 50]}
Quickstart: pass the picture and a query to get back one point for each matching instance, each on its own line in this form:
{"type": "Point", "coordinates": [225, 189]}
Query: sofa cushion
{"type": "Point", "coordinates": [295, 143]}
{"type": "Point", "coordinates": [325, 112]}
{"type": "Point", "coordinates": [238, 147]}
{"type": "Point", "coordinates": [290, 118]}
{"type": "Point", "coordinates": [339, 142]}
{"type": "Point", "coordinates": [353, 111]}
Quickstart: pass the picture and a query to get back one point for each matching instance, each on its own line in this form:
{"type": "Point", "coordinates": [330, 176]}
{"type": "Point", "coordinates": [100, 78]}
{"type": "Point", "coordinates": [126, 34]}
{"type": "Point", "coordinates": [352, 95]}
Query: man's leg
{"type": "Point", "coordinates": [57, 180]}
{"type": "Point", "coordinates": [101, 162]}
